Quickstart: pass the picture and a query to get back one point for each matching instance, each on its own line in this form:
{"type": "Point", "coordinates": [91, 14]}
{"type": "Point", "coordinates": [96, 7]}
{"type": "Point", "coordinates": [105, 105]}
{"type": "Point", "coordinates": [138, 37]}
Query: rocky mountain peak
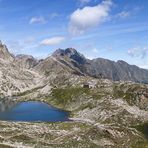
{"type": "Point", "coordinates": [4, 53]}
{"type": "Point", "coordinates": [70, 53]}
{"type": "Point", "coordinates": [122, 62]}
{"type": "Point", "coordinates": [59, 52]}
{"type": "Point", "coordinates": [26, 61]}
{"type": "Point", "coordinates": [26, 57]}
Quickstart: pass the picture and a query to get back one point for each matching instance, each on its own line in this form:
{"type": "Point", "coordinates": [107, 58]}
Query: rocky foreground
{"type": "Point", "coordinates": [104, 113]}
{"type": "Point", "coordinates": [108, 114]}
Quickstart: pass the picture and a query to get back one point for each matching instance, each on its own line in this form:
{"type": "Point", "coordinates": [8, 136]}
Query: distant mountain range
{"type": "Point", "coordinates": [72, 62]}
{"type": "Point", "coordinates": [98, 68]}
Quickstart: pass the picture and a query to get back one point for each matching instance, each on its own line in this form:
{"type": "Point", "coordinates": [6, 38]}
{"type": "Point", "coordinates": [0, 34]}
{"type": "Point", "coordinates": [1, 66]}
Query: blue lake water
{"type": "Point", "coordinates": [33, 112]}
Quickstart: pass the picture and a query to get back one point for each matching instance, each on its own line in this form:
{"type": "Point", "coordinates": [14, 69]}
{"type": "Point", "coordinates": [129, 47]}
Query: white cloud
{"type": "Point", "coordinates": [53, 15]}
{"type": "Point", "coordinates": [43, 20]}
{"type": "Point", "coordinates": [88, 17]}
{"type": "Point", "coordinates": [53, 40]}
{"type": "Point", "coordinates": [95, 50]}
{"type": "Point", "coordinates": [21, 46]}
{"type": "Point", "coordinates": [138, 52]}
{"type": "Point", "coordinates": [15, 47]}
{"type": "Point", "coordinates": [37, 20]}
{"type": "Point", "coordinates": [29, 40]}
{"type": "Point", "coordinates": [123, 14]}
{"type": "Point", "coordinates": [84, 1]}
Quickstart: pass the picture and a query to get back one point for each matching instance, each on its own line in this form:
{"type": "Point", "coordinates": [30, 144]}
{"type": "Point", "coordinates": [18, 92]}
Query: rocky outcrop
{"type": "Point", "coordinates": [14, 74]}
{"type": "Point", "coordinates": [70, 53]}
{"type": "Point", "coordinates": [107, 115]}
{"type": "Point", "coordinates": [4, 53]}
{"type": "Point", "coordinates": [26, 61]}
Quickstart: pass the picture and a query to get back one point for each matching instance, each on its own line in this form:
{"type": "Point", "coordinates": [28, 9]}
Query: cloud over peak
{"type": "Point", "coordinates": [53, 41]}
{"type": "Point", "coordinates": [84, 1]}
{"type": "Point", "coordinates": [88, 17]}
{"type": "Point", "coordinates": [138, 52]}
{"type": "Point", "coordinates": [37, 20]}
{"type": "Point", "coordinates": [123, 14]}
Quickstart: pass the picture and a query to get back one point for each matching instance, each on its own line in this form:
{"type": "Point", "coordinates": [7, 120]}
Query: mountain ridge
{"type": "Point", "coordinates": [69, 60]}
{"type": "Point", "coordinates": [103, 67]}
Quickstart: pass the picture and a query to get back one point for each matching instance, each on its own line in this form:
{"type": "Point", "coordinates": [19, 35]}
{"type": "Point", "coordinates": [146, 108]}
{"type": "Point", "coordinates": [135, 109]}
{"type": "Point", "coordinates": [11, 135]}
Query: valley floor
{"type": "Point", "coordinates": [68, 134]}
{"type": "Point", "coordinates": [110, 114]}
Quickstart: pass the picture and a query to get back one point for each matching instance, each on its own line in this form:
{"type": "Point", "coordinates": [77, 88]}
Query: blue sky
{"type": "Point", "coordinates": [112, 29]}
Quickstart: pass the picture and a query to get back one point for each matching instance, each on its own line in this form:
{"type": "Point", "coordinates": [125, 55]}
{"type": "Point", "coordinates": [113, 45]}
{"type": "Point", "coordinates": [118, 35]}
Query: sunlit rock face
{"type": "Point", "coordinates": [14, 75]}
{"type": "Point", "coordinates": [26, 61]}
{"type": "Point", "coordinates": [70, 53]}
{"type": "Point", "coordinates": [4, 53]}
